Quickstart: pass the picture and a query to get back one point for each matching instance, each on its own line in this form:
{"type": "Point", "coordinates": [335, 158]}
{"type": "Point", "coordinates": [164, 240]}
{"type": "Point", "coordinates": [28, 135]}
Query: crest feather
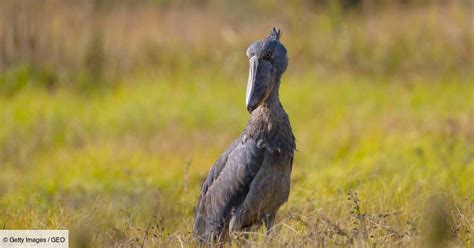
{"type": "Point", "coordinates": [274, 34]}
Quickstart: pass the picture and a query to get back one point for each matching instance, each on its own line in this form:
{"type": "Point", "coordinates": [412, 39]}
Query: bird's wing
{"type": "Point", "coordinates": [217, 168]}
{"type": "Point", "coordinates": [227, 185]}
{"type": "Point", "coordinates": [269, 189]}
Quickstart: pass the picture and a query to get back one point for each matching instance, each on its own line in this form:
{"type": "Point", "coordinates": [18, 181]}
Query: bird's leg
{"type": "Point", "coordinates": [239, 237]}
{"type": "Point", "coordinates": [268, 220]}
{"type": "Point", "coordinates": [235, 229]}
{"type": "Point", "coordinates": [232, 226]}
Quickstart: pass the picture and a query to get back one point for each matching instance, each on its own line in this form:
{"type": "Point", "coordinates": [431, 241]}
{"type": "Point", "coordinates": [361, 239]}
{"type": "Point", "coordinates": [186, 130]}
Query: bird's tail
{"type": "Point", "coordinates": [201, 227]}
{"type": "Point", "coordinates": [207, 232]}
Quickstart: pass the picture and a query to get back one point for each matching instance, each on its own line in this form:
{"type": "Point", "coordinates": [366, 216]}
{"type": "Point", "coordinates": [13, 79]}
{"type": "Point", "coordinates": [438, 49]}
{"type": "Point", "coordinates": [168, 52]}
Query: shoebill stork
{"type": "Point", "coordinates": [251, 179]}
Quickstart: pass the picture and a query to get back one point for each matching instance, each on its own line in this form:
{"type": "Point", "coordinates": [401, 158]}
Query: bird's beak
{"type": "Point", "coordinates": [253, 90]}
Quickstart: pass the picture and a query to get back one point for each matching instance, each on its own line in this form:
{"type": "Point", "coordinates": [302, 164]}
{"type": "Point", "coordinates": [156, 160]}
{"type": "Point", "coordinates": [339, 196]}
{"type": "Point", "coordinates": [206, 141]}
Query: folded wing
{"type": "Point", "coordinates": [226, 187]}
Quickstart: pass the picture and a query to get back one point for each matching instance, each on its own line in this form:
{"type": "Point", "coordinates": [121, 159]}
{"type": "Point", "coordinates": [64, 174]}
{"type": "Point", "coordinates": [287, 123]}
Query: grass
{"type": "Point", "coordinates": [113, 166]}
{"type": "Point", "coordinates": [112, 116]}
{"type": "Point", "coordinates": [86, 45]}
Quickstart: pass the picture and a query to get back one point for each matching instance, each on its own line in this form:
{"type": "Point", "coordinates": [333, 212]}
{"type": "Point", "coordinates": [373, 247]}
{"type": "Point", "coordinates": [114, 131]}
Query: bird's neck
{"type": "Point", "coordinates": [269, 111]}
{"type": "Point", "coordinates": [269, 124]}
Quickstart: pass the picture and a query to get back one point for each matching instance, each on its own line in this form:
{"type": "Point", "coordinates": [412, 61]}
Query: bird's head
{"type": "Point", "coordinates": [268, 62]}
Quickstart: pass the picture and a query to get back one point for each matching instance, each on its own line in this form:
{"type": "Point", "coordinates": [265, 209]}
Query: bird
{"type": "Point", "coordinates": [250, 181]}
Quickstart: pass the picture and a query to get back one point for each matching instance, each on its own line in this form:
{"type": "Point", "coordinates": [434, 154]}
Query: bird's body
{"type": "Point", "coordinates": [251, 180]}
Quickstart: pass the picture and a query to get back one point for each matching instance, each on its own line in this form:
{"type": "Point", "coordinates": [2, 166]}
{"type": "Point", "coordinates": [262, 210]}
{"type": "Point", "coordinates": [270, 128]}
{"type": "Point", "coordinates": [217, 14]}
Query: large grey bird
{"type": "Point", "coordinates": [251, 180]}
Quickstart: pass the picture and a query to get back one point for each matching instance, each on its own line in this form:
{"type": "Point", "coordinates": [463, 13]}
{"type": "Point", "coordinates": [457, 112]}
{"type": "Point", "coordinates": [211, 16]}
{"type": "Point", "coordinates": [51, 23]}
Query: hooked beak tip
{"type": "Point", "coordinates": [250, 108]}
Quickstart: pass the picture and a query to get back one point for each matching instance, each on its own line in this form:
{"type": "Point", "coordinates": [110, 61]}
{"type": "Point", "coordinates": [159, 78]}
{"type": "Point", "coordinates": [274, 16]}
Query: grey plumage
{"type": "Point", "coordinates": [251, 180]}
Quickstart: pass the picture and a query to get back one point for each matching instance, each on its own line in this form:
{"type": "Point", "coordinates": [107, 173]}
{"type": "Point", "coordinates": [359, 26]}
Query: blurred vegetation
{"type": "Point", "coordinates": [89, 43]}
{"type": "Point", "coordinates": [112, 112]}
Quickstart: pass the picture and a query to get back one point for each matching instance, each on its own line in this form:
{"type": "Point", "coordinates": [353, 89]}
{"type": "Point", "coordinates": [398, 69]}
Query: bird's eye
{"type": "Point", "coordinates": [268, 55]}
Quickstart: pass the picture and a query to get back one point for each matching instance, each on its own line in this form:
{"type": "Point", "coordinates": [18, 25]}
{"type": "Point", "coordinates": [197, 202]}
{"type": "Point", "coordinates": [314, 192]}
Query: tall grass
{"type": "Point", "coordinates": [88, 43]}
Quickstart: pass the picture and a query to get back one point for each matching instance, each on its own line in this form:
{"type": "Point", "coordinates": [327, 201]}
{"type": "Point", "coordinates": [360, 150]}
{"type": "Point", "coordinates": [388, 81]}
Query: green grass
{"type": "Point", "coordinates": [113, 166]}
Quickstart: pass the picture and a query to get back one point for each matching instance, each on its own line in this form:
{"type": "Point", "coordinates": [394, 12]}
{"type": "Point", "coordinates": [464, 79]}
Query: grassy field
{"type": "Point", "coordinates": [115, 163]}
{"type": "Point", "coordinates": [385, 136]}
